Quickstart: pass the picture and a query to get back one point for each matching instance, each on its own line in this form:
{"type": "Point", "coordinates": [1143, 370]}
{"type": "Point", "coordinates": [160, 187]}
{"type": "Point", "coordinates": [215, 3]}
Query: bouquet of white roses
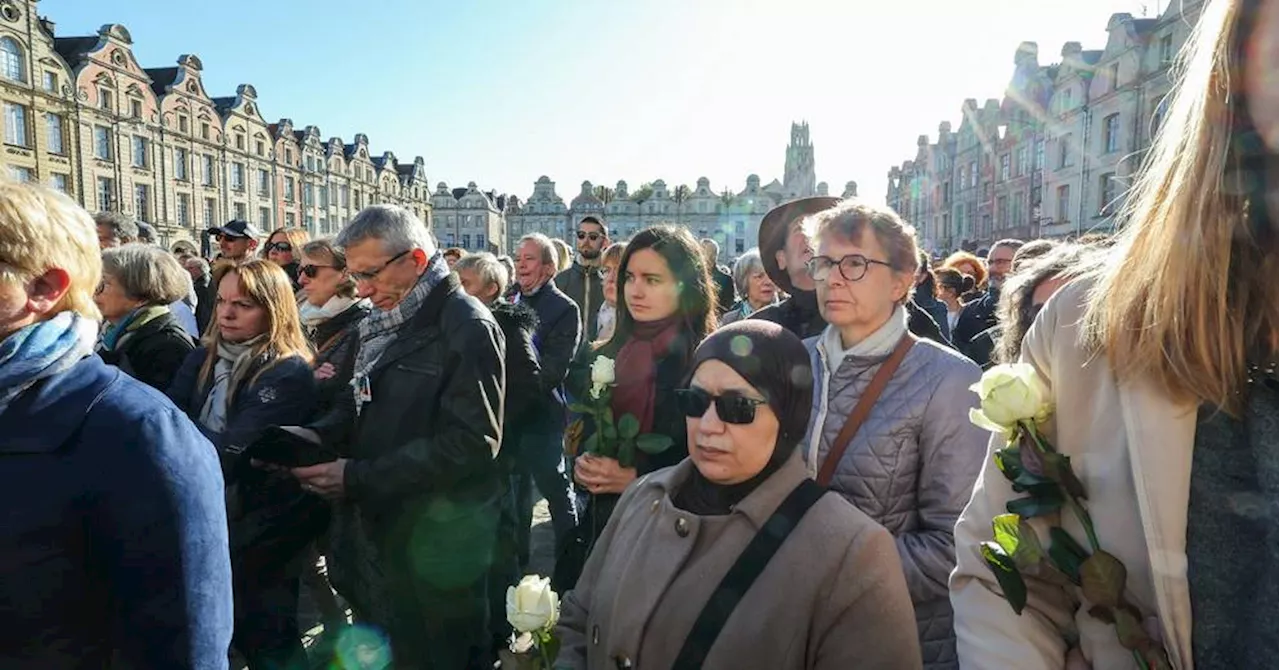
{"type": "Point", "coordinates": [617, 439]}
{"type": "Point", "coordinates": [533, 609]}
{"type": "Point", "coordinates": [1015, 403]}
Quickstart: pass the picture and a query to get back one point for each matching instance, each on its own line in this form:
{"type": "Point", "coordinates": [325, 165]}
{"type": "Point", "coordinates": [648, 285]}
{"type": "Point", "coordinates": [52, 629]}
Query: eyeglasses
{"type": "Point", "coordinates": [852, 267]}
{"type": "Point", "coordinates": [312, 270]}
{"type": "Point", "coordinates": [279, 246]}
{"type": "Point", "coordinates": [731, 408]}
{"type": "Point", "coordinates": [594, 237]}
{"type": "Point", "coordinates": [373, 274]}
{"type": "Point", "coordinates": [233, 238]}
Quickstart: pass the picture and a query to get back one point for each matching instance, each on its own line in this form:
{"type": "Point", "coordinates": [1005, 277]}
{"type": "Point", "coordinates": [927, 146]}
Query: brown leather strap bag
{"type": "Point", "coordinates": [863, 408]}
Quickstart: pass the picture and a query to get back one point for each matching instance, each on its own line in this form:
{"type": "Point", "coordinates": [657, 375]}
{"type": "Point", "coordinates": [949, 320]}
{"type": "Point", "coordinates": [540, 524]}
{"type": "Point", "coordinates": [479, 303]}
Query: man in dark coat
{"type": "Point", "coordinates": [722, 280]}
{"type": "Point", "coordinates": [542, 445]}
{"type": "Point", "coordinates": [419, 498]}
{"type": "Point", "coordinates": [206, 292]}
{"type": "Point", "coordinates": [785, 251]}
{"type": "Point", "coordinates": [980, 315]}
{"type": "Point", "coordinates": [582, 281]}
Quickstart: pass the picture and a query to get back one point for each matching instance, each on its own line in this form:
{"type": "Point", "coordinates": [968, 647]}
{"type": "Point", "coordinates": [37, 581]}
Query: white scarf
{"type": "Point", "coordinates": [313, 316]}
{"type": "Point", "coordinates": [876, 345]}
{"type": "Point", "coordinates": [228, 372]}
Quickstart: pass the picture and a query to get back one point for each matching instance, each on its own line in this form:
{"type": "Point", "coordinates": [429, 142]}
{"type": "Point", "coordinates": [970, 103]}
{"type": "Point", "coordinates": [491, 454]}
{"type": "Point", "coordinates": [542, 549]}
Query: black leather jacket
{"type": "Point", "coordinates": [556, 341]}
{"type": "Point", "coordinates": [585, 287]}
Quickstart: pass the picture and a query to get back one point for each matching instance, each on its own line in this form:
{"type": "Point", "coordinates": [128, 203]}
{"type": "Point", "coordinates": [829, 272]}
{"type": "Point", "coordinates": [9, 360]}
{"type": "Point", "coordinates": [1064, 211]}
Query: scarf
{"type": "Point", "coordinates": [637, 368]}
{"type": "Point", "coordinates": [115, 334]}
{"type": "Point", "coordinates": [313, 316]}
{"type": "Point", "coordinates": [42, 350]}
{"type": "Point", "coordinates": [229, 372]}
{"type": "Point", "coordinates": [379, 328]}
{"type": "Point", "coordinates": [876, 345]}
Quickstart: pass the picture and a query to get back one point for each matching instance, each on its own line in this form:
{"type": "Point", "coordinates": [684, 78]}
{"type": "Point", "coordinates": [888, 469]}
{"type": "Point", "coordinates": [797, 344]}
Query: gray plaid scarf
{"type": "Point", "coordinates": [379, 329]}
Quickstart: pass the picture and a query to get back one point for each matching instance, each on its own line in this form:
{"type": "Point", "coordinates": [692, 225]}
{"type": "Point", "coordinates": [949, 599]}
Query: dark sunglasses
{"type": "Point", "coordinates": [594, 237]}
{"type": "Point", "coordinates": [731, 408]}
{"type": "Point", "coordinates": [279, 246]}
{"type": "Point", "coordinates": [312, 270]}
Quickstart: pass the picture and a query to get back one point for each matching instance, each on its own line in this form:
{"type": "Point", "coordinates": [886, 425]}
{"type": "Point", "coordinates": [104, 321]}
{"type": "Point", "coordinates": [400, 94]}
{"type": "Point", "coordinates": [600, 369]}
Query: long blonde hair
{"type": "Point", "coordinates": [268, 287]}
{"type": "Point", "coordinates": [1189, 294]}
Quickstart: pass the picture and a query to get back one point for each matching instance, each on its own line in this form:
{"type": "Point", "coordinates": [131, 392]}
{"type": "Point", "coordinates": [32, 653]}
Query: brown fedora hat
{"type": "Point", "coordinates": [773, 232]}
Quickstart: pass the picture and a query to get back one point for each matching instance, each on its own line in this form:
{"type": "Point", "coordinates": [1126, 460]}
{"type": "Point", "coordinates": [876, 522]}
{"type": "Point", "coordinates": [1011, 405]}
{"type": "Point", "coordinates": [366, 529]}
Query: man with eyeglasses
{"type": "Point", "coordinates": [236, 240]}
{"type": "Point", "coordinates": [418, 495]}
{"type": "Point", "coordinates": [582, 281]}
{"type": "Point", "coordinates": [980, 315]}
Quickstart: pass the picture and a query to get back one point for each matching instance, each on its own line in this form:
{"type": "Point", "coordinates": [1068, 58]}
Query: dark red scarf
{"type": "Point", "coordinates": [636, 368]}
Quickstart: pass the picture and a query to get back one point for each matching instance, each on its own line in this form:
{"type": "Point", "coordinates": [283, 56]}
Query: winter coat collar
{"type": "Point", "coordinates": [758, 506]}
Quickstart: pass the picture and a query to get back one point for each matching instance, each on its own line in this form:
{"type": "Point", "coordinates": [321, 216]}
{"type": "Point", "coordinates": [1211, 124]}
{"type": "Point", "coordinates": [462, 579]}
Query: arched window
{"type": "Point", "coordinates": [11, 65]}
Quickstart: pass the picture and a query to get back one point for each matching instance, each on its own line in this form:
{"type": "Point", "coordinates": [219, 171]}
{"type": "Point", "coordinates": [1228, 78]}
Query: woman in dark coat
{"type": "Point", "coordinates": [665, 308]}
{"type": "Point", "coordinates": [142, 338]}
{"type": "Point", "coordinates": [253, 372]}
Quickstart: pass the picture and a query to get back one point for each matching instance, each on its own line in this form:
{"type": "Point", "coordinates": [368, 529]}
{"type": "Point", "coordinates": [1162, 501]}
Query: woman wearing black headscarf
{"type": "Point", "coordinates": [669, 546]}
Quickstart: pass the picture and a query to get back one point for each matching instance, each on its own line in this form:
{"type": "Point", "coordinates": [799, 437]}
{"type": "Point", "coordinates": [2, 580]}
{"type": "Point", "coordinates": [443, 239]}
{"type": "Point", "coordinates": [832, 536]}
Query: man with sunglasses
{"type": "Point", "coordinates": [236, 240]}
{"type": "Point", "coordinates": [582, 281]}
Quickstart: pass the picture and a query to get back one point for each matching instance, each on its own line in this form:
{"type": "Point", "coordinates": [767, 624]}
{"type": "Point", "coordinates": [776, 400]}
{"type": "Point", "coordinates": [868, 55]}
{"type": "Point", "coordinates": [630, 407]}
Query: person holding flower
{"type": "Point", "coordinates": [1160, 366]}
{"type": "Point", "coordinates": [890, 427]}
{"type": "Point", "coordinates": [825, 589]}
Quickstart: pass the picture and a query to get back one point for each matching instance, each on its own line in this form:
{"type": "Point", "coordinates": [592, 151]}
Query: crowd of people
{"type": "Point", "coordinates": [814, 493]}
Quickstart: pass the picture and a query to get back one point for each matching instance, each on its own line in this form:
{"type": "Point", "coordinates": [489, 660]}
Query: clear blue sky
{"type": "Point", "coordinates": [502, 92]}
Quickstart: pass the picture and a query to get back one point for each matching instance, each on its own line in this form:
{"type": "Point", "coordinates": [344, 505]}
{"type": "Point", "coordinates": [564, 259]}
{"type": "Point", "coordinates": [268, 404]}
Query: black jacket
{"type": "Point", "coordinates": [924, 298]}
{"type": "Point", "coordinates": [518, 324]}
{"type": "Point", "coordinates": [153, 353]}
{"type": "Point", "coordinates": [975, 318]}
{"type": "Point", "coordinates": [585, 287]}
{"type": "Point", "coordinates": [335, 342]}
{"type": "Point", "coordinates": [206, 296]}
{"type": "Point", "coordinates": [921, 324]}
{"type": "Point", "coordinates": [798, 314]}
{"type": "Point", "coordinates": [724, 289]}
{"type": "Point", "coordinates": [556, 341]}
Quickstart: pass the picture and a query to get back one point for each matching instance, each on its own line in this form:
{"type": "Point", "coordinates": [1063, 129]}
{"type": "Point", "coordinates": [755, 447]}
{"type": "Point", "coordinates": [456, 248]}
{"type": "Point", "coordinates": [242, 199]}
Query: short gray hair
{"type": "Point", "coordinates": [198, 262]}
{"type": "Point", "coordinates": [549, 253]}
{"type": "Point", "coordinates": [487, 267]}
{"type": "Point", "coordinates": [121, 225]}
{"type": "Point", "coordinates": [147, 273]}
{"type": "Point", "coordinates": [396, 227]}
{"type": "Point", "coordinates": [746, 265]}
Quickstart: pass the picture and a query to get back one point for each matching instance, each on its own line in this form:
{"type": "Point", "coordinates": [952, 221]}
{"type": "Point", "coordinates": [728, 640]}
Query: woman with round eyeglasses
{"type": "Point", "coordinates": [284, 247]}
{"type": "Point", "coordinates": [912, 462]}
{"type": "Point", "coordinates": [677, 540]}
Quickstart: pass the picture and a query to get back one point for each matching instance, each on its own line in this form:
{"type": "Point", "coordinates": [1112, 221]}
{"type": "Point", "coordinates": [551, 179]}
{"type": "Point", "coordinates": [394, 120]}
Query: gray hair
{"type": "Point", "coordinates": [549, 253]}
{"type": "Point", "coordinates": [147, 273]}
{"type": "Point", "coordinates": [121, 225]}
{"type": "Point", "coordinates": [487, 267]}
{"type": "Point", "coordinates": [396, 227]}
{"type": "Point", "coordinates": [198, 262]}
{"type": "Point", "coordinates": [746, 265]}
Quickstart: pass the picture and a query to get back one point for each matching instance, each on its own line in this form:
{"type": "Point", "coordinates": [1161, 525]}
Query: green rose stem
{"type": "Point", "coordinates": [1076, 508]}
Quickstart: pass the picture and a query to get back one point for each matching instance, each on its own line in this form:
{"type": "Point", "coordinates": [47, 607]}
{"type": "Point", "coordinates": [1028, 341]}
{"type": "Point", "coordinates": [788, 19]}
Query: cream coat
{"type": "Point", "coordinates": [1131, 446]}
{"type": "Point", "coordinates": [833, 597]}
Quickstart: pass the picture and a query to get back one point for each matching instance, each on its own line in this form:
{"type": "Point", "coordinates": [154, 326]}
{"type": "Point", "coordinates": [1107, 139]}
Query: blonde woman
{"type": "Point", "coordinates": [114, 541]}
{"type": "Point", "coordinates": [284, 248]}
{"type": "Point", "coordinates": [253, 371]}
{"type": "Point", "coordinates": [1161, 365]}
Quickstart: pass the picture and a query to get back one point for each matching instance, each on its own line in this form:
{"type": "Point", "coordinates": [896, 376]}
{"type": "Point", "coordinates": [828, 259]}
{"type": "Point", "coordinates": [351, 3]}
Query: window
{"type": "Point", "coordinates": [60, 182]}
{"type": "Point", "coordinates": [240, 146]}
{"type": "Point", "coordinates": [139, 151]}
{"type": "Point", "coordinates": [15, 125]}
{"type": "Point", "coordinates": [964, 177]}
{"type": "Point", "coordinates": [180, 164]}
{"type": "Point", "coordinates": [309, 222]}
{"type": "Point", "coordinates": [204, 131]}
{"type": "Point", "coordinates": [51, 81]}
{"type": "Point", "coordinates": [308, 195]}
{"type": "Point", "coordinates": [1039, 159]}
{"type": "Point", "coordinates": [259, 147]}
{"type": "Point", "coordinates": [357, 200]}
{"type": "Point", "coordinates": [1068, 100]}
{"type": "Point", "coordinates": [208, 169]}
{"type": "Point", "coordinates": [466, 241]}
{"type": "Point", "coordinates": [346, 195]}
{"type": "Point", "coordinates": [105, 99]}
{"type": "Point", "coordinates": [1002, 212]}
{"type": "Point", "coordinates": [53, 131]}
{"type": "Point", "coordinates": [1114, 76]}
{"type": "Point", "coordinates": [241, 212]}
{"type": "Point", "coordinates": [324, 196]}
{"type": "Point", "coordinates": [973, 174]}
{"type": "Point", "coordinates": [102, 143]}
{"type": "Point", "coordinates": [290, 220]}
{"type": "Point", "coordinates": [106, 193]}
{"type": "Point", "coordinates": [182, 124]}
{"type": "Point", "coordinates": [20, 174]}
{"type": "Point", "coordinates": [264, 217]}
{"type": "Point", "coordinates": [142, 202]}
{"type": "Point", "coordinates": [1106, 193]}
{"type": "Point", "coordinates": [1063, 215]}
{"type": "Point", "coordinates": [1017, 215]}
{"type": "Point", "coordinates": [135, 109]}
{"type": "Point", "coordinates": [184, 209]}
{"type": "Point", "coordinates": [1004, 167]}
{"type": "Point", "coordinates": [11, 62]}
{"type": "Point", "coordinates": [1064, 150]}
{"type": "Point", "coordinates": [1022, 167]}
{"type": "Point", "coordinates": [288, 156]}
{"type": "Point", "coordinates": [288, 189]}
{"type": "Point", "coordinates": [1166, 49]}
{"type": "Point", "coordinates": [738, 246]}
{"type": "Point", "coordinates": [1111, 133]}
{"type": "Point", "coordinates": [264, 182]}
{"type": "Point", "coordinates": [237, 179]}
{"type": "Point", "coordinates": [210, 206]}
{"type": "Point", "coordinates": [311, 164]}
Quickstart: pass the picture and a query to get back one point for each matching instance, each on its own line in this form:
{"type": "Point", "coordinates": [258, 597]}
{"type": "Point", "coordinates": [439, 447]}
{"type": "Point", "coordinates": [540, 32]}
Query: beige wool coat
{"type": "Point", "coordinates": [832, 597]}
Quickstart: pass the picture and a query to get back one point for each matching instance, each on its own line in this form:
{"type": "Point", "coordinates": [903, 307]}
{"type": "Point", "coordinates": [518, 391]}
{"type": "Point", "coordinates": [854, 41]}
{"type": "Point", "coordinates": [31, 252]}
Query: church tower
{"type": "Point", "coordinates": [799, 180]}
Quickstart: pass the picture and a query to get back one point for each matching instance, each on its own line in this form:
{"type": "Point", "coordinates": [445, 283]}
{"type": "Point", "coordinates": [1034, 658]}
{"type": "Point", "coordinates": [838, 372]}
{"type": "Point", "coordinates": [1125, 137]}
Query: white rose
{"type": "Point", "coordinates": [602, 371]}
{"type": "Point", "coordinates": [532, 605]}
{"type": "Point", "coordinates": [1009, 394]}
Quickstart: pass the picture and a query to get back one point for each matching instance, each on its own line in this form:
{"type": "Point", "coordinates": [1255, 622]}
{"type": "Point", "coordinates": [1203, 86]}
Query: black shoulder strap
{"type": "Point", "coordinates": [744, 572]}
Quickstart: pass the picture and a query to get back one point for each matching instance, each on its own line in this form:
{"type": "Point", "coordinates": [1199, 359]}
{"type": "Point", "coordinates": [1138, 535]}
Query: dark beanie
{"type": "Point", "coordinates": [775, 362]}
